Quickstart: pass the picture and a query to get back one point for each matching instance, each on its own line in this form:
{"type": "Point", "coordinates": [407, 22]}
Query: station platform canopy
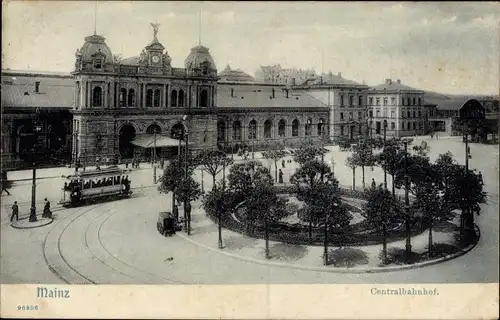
{"type": "Point", "coordinates": [148, 141]}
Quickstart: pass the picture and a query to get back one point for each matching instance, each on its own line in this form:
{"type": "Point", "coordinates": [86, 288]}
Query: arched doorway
{"type": "Point", "coordinates": [127, 134]}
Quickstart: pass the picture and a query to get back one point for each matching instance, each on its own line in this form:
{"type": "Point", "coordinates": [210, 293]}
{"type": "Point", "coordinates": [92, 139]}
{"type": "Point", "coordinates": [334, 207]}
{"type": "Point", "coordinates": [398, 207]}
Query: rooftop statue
{"type": "Point", "coordinates": [155, 29]}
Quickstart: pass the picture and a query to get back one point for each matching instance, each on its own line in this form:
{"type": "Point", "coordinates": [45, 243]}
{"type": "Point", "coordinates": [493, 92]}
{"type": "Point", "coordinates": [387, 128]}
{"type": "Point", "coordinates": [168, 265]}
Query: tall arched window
{"type": "Point", "coordinates": [295, 128]}
{"type": "Point", "coordinates": [204, 98]}
{"type": "Point", "coordinates": [157, 98]}
{"type": "Point", "coordinates": [252, 130]}
{"type": "Point", "coordinates": [131, 97]}
{"type": "Point", "coordinates": [282, 128]}
{"type": "Point", "coordinates": [123, 96]}
{"type": "Point", "coordinates": [149, 98]}
{"type": "Point", "coordinates": [414, 101]}
{"type": "Point", "coordinates": [308, 127]}
{"type": "Point", "coordinates": [321, 125]}
{"type": "Point", "coordinates": [173, 98]}
{"type": "Point", "coordinates": [268, 125]}
{"type": "Point", "coordinates": [221, 130]}
{"type": "Point", "coordinates": [97, 97]}
{"type": "Point", "coordinates": [181, 98]}
{"type": "Point", "coordinates": [236, 130]}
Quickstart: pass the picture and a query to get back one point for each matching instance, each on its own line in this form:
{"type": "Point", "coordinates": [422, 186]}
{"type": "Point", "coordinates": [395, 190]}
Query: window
{"type": "Point", "coordinates": [341, 101]}
{"type": "Point", "coordinates": [341, 116]}
{"type": "Point", "coordinates": [157, 98]}
{"type": "Point", "coordinates": [267, 129]}
{"type": "Point", "coordinates": [131, 97]}
{"type": "Point", "coordinates": [341, 130]}
{"type": "Point", "coordinates": [360, 101]}
{"type": "Point", "coordinates": [378, 101]}
{"type": "Point", "coordinates": [393, 100]}
{"type": "Point", "coordinates": [295, 128]}
{"type": "Point", "coordinates": [371, 113]}
{"type": "Point", "coordinates": [221, 130]}
{"type": "Point", "coordinates": [419, 101]}
{"type": "Point", "coordinates": [351, 101]}
{"type": "Point", "coordinates": [97, 97]}
{"type": "Point", "coordinates": [252, 130]}
{"type": "Point", "coordinates": [308, 127]}
{"type": "Point", "coordinates": [359, 129]}
{"type": "Point", "coordinates": [204, 99]}
{"type": "Point", "coordinates": [149, 98]}
{"type": "Point", "coordinates": [403, 126]}
{"type": "Point", "coordinates": [414, 101]}
{"type": "Point", "coordinates": [123, 96]}
{"type": "Point", "coordinates": [414, 126]}
{"type": "Point", "coordinates": [403, 101]}
{"type": "Point", "coordinates": [385, 101]}
{"type": "Point", "coordinates": [419, 113]}
{"type": "Point", "coordinates": [360, 115]}
{"type": "Point", "coordinates": [393, 114]}
{"type": "Point", "coordinates": [378, 114]}
{"type": "Point", "coordinates": [414, 114]}
{"type": "Point", "coordinates": [350, 115]}
{"type": "Point", "coordinates": [393, 125]}
{"type": "Point", "coordinates": [409, 114]}
{"type": "Point", "coordinates": [281, 128]}
{"type": "Point", "coordinates": [173, 98]}
{"type": "Point", "coordinates": [97, 64]}
{"type": "Point", "coordinates": [181, 98]}
{"type": "Point", "coordinates": [370, 101]}
{"type": "Point", "coordinates": [321, 125]}
{"type": "Point", "coordinates": [236, 130]}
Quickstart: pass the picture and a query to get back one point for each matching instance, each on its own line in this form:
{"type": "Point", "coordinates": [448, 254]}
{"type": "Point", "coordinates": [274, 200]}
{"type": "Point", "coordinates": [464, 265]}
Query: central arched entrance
{"type": "Point", "coordinates": [127, 134]}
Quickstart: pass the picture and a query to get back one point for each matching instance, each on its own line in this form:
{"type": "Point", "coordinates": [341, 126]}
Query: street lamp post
{"type": "Point", "coordinates": [186, 203]}
{"type": "Point", "coordinates": [37, 128]}
{"type": "Point", "coordinates": [154, 156]}
{"type": "Point", "coordinates": [385, 137]}
{"type": "Point", "coordinates": [75, 154]}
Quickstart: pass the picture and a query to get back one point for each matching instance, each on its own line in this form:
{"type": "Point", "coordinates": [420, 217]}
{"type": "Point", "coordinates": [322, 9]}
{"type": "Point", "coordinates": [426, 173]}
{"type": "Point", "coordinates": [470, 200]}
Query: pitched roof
{"type": "Point", "coordinates": [234, 75]}
{"type": "Point", "coordinates": [390, 85]}
{"type": "Point", "coordinates": [258, 96]}
{"type": "Point", "coordinates": [54, 91]}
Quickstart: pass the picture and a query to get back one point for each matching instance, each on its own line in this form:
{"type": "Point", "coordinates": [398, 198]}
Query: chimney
{"type": "Point", "coordinates": [388, 81]}
{"type": "Point", "coordinates": [37, 86]}
{"type": "Point", "coordinates": [286, 93]}
{"type": "Point", "coordinates": [340, 74]}
{"type": "Point", "coordinates": [232, 93]}
{"type": "Point", "coordinates": [274, 93]}
{"type": "Point", "coordinates": [399, 81]}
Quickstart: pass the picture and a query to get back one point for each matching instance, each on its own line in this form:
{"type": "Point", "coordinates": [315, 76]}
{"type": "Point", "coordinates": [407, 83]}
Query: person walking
{"type": "Point", "coordinates": [480, 176]}
{"type": "Point", "coordinates": [15, 212]}
{"type": "Point", "coordinates": [5, 183]}
{"type": "Point", "coordinates": [374, 185]}
{"type": "Point", "coordinates": [280, 176]}
{"type": "Point", "coordinates": [46, 209]}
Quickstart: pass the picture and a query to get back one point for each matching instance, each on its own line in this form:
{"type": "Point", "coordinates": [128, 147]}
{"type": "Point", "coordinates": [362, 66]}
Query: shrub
{"type": "Point", "coordinates": [398, 256]}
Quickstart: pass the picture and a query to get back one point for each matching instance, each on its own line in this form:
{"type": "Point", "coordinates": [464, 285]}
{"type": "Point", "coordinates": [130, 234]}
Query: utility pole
{"type": "Point", "coordinates": [154, 156]}
{"type": "Point", "coordinates": [407, 203]}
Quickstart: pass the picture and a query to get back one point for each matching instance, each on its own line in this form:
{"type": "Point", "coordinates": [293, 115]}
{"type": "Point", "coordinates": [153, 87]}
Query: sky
{"type": "Point", "coordinates": [447, 47]}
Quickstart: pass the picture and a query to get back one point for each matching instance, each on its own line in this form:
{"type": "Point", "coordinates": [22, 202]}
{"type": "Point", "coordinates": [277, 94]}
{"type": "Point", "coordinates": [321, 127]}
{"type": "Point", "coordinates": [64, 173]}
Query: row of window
{"type": "Point", "coordinates": [153, 98]}
{"type": "Point", "coordinates": [404, 101]}
{"type": "Point", "coordinates": [360, 115]}
{"type": "Point", "coordinates": [407, 114]}
{"type": "Point", "coordinates": [252, 129]}
{"type": "Point", "coordinates": [351, 101]}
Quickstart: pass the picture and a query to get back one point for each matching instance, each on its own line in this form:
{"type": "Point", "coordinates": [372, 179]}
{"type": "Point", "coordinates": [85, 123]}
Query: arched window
{"type": "Point", "coordinates": [97, 97]}
{"type": "Point", "coordinates": [173, 98]}
{"type": "Point", "coordinates": [181, 98]}
{"type": "Point", "coordinates": [268, 125]}
{"type": "Point", "coordinates": [221, 130]}
{"type": "Point", "coordinates": [236, 130]}
{"type": "Point", "coordinates": [414, 114]}
{"type": "Point", "coordinates": [149, 98]}
{"type": "Point", "coordinates": [157, 98]}
{"type": "Point", "coordinates": [414, 101]}
{"type": "Point", "coordinates": [419, 101]}
{"type": "Point", "coordinates": [308, 127]}
{"type": "Point", "coordinates": [131, 97]}
{"type": "Point", "coordinates": [321, 126]}
{"type": "Point", "coordinates": [204, 98]}
{"type": "Point", "coordinates": [295, 128]}
{"type": "Point", "coordinates": [123, 96]}
{"type": "Point", "coordinates": [282, 128]}
{"type": "Point", "coordinates": [252, 130]}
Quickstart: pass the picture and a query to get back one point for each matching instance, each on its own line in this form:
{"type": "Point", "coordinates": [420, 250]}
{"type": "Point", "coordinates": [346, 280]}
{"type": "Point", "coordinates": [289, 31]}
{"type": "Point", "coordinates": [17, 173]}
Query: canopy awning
{"type": "Point", "coordinates": [148, 141]}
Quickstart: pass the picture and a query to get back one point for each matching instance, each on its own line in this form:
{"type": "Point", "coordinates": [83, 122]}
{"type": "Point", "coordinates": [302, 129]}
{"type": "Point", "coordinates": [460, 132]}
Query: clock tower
{"type": "Point", "coordinates": [153, 56]}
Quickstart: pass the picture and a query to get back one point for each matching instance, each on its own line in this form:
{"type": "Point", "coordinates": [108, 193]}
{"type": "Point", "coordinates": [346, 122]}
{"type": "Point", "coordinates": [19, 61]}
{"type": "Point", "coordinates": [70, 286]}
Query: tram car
{"type": "Point", "coordinates": [95, 185]}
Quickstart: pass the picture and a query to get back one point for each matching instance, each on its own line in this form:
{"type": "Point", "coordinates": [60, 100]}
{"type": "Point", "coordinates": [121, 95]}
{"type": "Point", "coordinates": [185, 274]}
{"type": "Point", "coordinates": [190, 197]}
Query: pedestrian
{"type": "Point", "coordinates": [176, 213]}
{"type": "Point", "coordinates": [280, 175]}
{"type": "Point", "coordinates": [46, 209]}
{"type": "Point", "coordinates": [374, 185]}
{"type": "Point", "coordinates": [480, 176]}
{"type": "Point", "coordinates": [283, 163]}
{"type": "Point", "coordinates": [126, 164]}
{"type": "Point", "coordinates": [15, 212]}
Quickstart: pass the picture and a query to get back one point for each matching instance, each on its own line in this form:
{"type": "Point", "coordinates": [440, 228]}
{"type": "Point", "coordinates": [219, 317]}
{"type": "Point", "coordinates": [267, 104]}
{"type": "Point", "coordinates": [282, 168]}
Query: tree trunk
{"type": "Point", "coordinates": [363, 174]}
{"type": "Point", "coordinates": [276, 171]}
{"type": "Point", "coordinates": [430, 237]}
{"type": "Point", "coordinates": [325, 246]}
{"type": "Point", "coordinates": [310, 230]}
{"type": "Point", "coordinates": [353, 178]}
{"type": "Point", "coordinates": [213, 182]}
{"type": "Point", "coordinates": [266, 230]}
{"type": "Point", "coordinates": [408, 237]}
{"type": "Point", "coordinates": [393, 187]}
{"type": "Point", "coordinates": [384, 243]}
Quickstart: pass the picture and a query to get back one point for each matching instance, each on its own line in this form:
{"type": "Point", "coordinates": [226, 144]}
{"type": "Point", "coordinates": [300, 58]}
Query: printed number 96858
{"type": "Point", "coordinates": [27, 308]}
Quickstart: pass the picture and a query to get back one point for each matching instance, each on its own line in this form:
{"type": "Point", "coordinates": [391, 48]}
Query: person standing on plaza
{"type": "Point", "coordinates": [280, 176]}
{"type": "Point", "coordinates": [46, 209]}
{"type": "Point", "coordinates": [374, 185]}
{"type": "Point", "coordinates": [15, 212]}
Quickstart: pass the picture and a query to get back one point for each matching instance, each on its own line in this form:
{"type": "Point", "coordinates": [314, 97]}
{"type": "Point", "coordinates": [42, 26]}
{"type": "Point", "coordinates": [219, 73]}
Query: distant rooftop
{"type": "Point", "coordinates": [393, 86]}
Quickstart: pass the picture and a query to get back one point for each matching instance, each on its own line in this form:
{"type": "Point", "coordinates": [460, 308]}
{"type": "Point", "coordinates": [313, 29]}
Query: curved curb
{"type": "Point", "coordinates": [334, 269]}
{"type": "Point", "coordinates": [46, 223]}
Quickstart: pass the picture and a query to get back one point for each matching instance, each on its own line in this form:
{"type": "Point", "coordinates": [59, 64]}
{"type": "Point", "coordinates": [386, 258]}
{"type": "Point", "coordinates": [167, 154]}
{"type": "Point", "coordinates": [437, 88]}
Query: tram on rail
{"type": "Point", "coordinates": [95, 185]}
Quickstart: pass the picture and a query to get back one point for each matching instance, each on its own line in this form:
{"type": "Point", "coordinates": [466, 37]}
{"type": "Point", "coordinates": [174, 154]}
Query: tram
{"type": "Point", "coordinates": [94, 185]}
